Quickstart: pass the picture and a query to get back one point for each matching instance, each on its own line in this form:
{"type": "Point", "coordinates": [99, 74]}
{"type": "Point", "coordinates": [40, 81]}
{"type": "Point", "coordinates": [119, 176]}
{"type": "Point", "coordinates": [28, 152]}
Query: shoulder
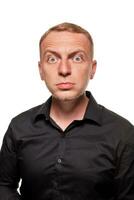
{"type": "Point", "coordinates": [22, 124]}
{"type": "Point", "coordinates": [30, 112]}
{"type": "Point", "coordinates": [118, 125]}
{"type": "Point", "coordinates": [109, 116]}
{"type": "Point", "coordinates": [27, 117]}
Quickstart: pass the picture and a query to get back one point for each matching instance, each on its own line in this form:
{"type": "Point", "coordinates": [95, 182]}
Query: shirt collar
{"type": "Point", "coordinates": [93, 111]}
{"type": "Point", "coordinates": [44, 110]}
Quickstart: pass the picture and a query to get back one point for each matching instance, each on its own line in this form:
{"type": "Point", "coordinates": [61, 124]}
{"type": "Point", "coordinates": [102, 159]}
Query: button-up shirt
{"type": "Point", "coordinates": [92, 159]}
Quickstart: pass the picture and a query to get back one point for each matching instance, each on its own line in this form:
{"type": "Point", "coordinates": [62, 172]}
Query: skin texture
{"type": "Point", "coordinates": [66, 67]}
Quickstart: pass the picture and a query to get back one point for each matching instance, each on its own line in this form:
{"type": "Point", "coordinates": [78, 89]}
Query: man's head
{"type": "Point", "coordinates": [72, 28]}
{"type": "Point", "coordinates": [66, 60]}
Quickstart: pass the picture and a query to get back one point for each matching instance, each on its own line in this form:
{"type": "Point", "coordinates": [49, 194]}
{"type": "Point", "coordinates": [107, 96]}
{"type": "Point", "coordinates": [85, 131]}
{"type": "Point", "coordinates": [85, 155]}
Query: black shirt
{"type": "Point", "coordinates": [93, 159]}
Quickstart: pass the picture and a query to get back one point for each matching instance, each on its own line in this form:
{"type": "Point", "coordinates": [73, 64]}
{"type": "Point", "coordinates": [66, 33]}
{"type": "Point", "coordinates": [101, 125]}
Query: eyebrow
{"type": "Point", "coordinates": [70, 54]}
{"type": "Point", "coordinates": [51, 51]}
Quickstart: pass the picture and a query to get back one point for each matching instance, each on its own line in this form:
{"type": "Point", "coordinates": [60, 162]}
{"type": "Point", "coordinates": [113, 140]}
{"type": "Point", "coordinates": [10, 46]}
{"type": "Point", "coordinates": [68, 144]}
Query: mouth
{"type": "Point", "coordinates": [65, 85]}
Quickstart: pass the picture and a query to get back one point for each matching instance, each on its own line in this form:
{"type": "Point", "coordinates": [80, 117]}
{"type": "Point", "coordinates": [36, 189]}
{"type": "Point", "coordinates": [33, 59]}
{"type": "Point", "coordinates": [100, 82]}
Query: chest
{"type": "Point", "coordinates": [72, 155]}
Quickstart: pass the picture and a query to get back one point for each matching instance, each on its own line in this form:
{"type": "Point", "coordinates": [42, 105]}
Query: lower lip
{"type": "Point", "coordinates": [65, 86]}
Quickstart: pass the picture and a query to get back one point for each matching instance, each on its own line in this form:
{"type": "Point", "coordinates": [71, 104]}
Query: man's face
{"type": "Point", "coordinates": [66, 65]}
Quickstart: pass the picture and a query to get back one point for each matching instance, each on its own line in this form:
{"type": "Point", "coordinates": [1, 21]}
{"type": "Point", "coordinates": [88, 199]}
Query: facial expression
{"type": "Point", "coordinates": [65, 64]}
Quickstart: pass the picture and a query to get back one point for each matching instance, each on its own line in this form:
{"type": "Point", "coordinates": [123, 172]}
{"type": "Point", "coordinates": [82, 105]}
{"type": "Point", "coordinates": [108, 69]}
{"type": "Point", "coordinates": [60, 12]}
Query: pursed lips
{"type": "Point", "coordinates": [65, 85]}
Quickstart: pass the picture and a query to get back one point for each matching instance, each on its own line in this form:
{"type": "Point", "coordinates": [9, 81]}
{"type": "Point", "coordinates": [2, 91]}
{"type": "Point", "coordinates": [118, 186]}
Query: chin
{"type": "Point", "coordinates": [66, 95]}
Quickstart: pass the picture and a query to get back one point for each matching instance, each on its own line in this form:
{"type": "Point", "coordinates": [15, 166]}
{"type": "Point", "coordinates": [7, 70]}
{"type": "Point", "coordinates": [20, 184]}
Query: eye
{"type": "Point", "coordinates": [77, 58]}
{"type": "Point", "coordinates": [52, 59]}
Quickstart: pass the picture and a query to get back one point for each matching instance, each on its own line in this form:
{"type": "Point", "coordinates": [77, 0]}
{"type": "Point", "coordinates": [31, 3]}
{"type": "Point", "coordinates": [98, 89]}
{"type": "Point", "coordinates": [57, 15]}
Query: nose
{"type": "Point", "coordinates": [64, 68]}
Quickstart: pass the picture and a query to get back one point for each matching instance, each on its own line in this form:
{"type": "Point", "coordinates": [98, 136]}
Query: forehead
{"type": "Point", "coordinates": [65, 39]}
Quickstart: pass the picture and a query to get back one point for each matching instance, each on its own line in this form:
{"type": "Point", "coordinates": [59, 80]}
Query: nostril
{"type": "Point", "coordinates": [61, 73]}
{"type": "Point", "coordinates": [64, 70]}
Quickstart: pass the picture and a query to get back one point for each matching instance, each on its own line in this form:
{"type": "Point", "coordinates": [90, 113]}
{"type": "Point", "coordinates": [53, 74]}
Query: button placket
{"type": "Point", "coordinates": [59, 160]}
{"type": "Point", "coordinates": [61, 150]}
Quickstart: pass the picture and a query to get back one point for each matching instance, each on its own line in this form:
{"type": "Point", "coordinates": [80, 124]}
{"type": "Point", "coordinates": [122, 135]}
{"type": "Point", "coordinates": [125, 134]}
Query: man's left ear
{"type": "Point", "coordinates": [40, 70]}
{"type": "Point", "coordinates": [94, 66]}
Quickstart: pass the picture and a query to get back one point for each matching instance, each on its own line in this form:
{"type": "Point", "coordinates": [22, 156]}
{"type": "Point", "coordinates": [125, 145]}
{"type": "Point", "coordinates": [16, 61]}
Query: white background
{"type": "Point", "coordinates": [110, 22]}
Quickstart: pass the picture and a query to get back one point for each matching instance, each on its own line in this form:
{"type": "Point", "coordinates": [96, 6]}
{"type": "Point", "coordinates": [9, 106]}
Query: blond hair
{"type": "Point", "coordinates": [73, 28]}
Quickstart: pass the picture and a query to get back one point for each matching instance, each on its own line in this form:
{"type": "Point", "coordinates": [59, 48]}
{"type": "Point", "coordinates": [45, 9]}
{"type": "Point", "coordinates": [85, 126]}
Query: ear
{"type": "Point", "coordinates": [93, 69]}
{"type": "Point", "coordinates": [40, 70]}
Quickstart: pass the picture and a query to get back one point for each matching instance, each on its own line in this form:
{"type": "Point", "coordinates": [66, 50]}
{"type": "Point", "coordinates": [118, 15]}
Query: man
{"type": "Point", "coordinates": [70, 147]}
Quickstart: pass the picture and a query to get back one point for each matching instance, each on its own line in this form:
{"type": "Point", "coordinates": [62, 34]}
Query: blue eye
{"type": "Point", "coordinates": [52, 59]}
{"type": "Point", "coordinates": [77, 58]}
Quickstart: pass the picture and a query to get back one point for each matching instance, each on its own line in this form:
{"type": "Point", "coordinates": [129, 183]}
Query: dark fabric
{"type": "Point", "coordinates": [93, 159]}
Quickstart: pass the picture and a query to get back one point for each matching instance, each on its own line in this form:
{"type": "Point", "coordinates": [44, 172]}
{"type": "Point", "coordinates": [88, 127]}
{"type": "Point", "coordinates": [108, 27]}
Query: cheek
{"type": "Point", "coordinates": [83, 75]}
{"type": "Point", "coordinates": [47, 74]}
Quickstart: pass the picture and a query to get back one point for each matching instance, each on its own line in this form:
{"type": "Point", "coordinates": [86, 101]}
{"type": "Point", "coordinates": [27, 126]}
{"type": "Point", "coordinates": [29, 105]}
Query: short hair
{"type": "Point", "coordinates": [70, 27]}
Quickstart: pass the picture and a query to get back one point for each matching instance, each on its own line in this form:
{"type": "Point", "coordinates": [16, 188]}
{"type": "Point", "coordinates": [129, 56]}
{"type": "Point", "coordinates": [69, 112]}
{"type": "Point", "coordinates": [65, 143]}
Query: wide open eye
{"type": "Point", "coordinates": [77, 58]}
{"type": "Point", "coordinates": [52, 59]}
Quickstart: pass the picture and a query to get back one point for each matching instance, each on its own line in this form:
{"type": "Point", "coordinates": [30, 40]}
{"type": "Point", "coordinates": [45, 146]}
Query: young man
{"type": "Point", "coordinates": [70, 147]}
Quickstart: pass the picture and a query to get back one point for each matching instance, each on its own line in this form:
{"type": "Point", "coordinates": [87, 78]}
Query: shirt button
{"type": "Point", "coordinates": [59, 160]}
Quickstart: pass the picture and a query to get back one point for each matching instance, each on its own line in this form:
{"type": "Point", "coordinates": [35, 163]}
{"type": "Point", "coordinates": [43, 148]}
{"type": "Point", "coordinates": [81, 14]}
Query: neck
{"type": "Point", "coordinates": [64, 112]}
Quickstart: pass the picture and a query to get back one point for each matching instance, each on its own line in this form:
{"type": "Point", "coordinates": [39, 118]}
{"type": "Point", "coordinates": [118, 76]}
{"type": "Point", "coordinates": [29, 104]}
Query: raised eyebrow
{"type": "Point", "coordinates": [75, 52]}
{"type": "Point", "coordinates": [69, 56]}
{"type": "Point", "coordinates": [50, 51]}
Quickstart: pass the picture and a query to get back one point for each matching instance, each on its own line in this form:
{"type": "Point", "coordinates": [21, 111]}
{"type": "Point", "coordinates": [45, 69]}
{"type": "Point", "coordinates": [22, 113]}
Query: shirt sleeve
{"type": "Point", "coordinates": [125, 168]}
{"type": "Point", "coordinates": [9, 172]}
